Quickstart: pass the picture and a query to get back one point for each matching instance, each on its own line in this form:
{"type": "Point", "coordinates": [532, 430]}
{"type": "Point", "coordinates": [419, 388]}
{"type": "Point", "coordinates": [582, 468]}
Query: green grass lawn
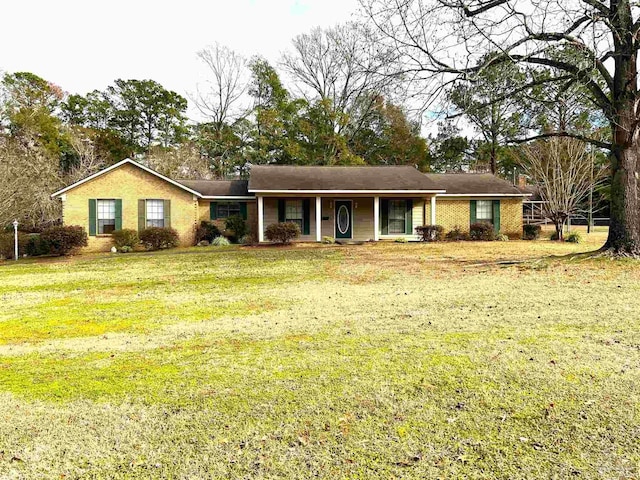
{"type": "Point", "coordinates": [373, 361]}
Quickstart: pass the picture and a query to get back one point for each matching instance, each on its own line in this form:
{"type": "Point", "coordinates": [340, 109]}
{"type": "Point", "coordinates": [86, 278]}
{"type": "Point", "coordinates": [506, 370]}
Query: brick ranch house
{"type": "Point", "coordinates": [366, 203]}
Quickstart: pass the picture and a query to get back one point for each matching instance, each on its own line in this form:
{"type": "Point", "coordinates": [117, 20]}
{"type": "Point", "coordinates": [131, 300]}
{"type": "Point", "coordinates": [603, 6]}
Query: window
{"type": "Point", "coordinates": [225, 210]}
{"type": "Point", "coordinates": [484, 211]}
{"type": "Point", "coordinates": [397, 212]}
{"type": "Point", "coordinates": [155, 213]}
{"type": "Point", "coordinates": [293, 212]}
{"type": "Point", "coordinates": [106, 216]}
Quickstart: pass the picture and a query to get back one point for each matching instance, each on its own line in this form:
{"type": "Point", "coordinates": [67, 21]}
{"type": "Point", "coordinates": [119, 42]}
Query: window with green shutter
{"type": "Point", "coordinates": [496, 215]}
{"type": "Point", "coordinates": [93, 209]}
{"type": "Point", "coordinates": [118, 214]}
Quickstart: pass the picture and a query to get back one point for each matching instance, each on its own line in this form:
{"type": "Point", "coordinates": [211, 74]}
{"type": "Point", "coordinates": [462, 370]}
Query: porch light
{"type": "Point", "coordinates": [15, 239]}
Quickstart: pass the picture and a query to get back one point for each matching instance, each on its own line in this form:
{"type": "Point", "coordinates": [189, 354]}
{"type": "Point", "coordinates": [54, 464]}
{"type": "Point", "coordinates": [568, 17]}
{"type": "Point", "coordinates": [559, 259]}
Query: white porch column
{"type": "Point", "coordinates": [318, 219]}
{"type": "Point", "coordinates": [260, 219]}
{"type": "Point", "coordinates": [433, 210]}
{"type": "Point", "coordinates": [376, 218]}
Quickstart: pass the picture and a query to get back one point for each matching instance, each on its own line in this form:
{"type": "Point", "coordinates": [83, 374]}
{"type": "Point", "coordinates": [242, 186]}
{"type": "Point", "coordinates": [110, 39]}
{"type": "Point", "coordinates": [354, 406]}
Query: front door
{"type": "Point", "coordinates": [344, 219]}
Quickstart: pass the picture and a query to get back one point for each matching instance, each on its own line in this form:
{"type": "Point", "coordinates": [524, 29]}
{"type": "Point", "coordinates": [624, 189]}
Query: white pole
{"type": "Point", "coordinates": [318, 219]}
{"type": "Point", "coordinates": [260, 219]}
{"type": "Point", "coordinates": [376, 218]}
{"type": "Point", "coordinates": [433, 210]}
{"type": "Point", "coordinates": [15, 239]}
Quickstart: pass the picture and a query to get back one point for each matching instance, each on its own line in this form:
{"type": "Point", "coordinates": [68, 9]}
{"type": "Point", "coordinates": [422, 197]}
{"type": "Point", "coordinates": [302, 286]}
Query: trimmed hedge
{"type": "Point", "coordinates": [237, 226]}
{"type": "Point", "coordinates": [7, 244]}
{"type": "Point", "coordinates": [63, 240]}
{"type": "Point", "coordinates": [456, 234]}
{"type": "Point", "coordinates": [158, 238]}
{"type": "Point", "coordinates": [125, 238]}
{"type": "Point", "coordinates": [482, 231]}
{"type": "Point", "coordinates": [430, 233]}
{"type": "Point", "coordinates": [531, 232]}
{"type": "Point", "coordinates": [207, 231]}
{"type": "Point", "coordinates": [282, 232]}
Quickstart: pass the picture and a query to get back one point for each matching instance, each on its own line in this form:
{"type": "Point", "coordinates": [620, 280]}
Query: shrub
{"type": "Point", "coordinates": [125, 238]}
{"type": "Point", "coordinates": [456, 234]}
{"type": "Point", "coordinates": [531, 232]}
{"type": "Point", "coordinates": [7, 244]}
{"type": "Point", "coordinates": [237, 226]}
{"type": "Point", "coordinates": [328, 240]}
{"type": "Point", "coordinates": [125, 249]}
{"type": "Point", "coordinates": [158, 238]}
{"type": "Point", "coordinates": [482, 231]}
{"type": "Point", "coordinates": [553, 236]}
{"type": "Point", "coordinates": [220, 242]}
{"type": "Point", "coordinates": [207, 231]}
{"type": "Point", "coordinates": [430, 233]}
{"type": "Point", "coordinates": [282, 232]}
{"type": "Point", "coordinates": [35, 246]}
{"type": "Point", "coordinates": [400, 240]}
{"type": "Point", "coordinates": [246, 240]}
{"type": "Point", "coordinates": [63, 240]}
{"type": "Point", "coordinates": [573, 237]}
{"type": "Point", "coordinates": [501, 237]}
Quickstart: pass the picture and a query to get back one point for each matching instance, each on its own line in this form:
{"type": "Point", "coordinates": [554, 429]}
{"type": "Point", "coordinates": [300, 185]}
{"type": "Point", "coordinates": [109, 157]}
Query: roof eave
{"type": "Point", "coordinates": [347, 191]}
{"type": "Point", "coordinates": [484, 194]}
{"type": "Point", "coordinates": [119, 164]}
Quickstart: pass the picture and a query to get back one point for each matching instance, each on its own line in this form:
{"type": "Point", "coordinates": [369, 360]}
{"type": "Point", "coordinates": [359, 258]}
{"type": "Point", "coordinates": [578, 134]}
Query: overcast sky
{"type": "Point", "coordinates": [82, 45]}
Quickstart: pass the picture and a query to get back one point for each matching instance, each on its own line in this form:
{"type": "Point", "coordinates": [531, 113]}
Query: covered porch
{"type": "Point", "coordinates": [348, 217]}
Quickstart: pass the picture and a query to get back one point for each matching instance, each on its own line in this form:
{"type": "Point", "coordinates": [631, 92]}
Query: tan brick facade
{"type": "Point", "coordinates": [204, 214]}
{"type": "Point", "coordinates": [130, 184]}
{"type": "Point", "coordinates": [456, 212]}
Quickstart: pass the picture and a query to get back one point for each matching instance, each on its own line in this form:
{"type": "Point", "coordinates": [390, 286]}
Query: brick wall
{"type": "Point", "coordinates": [130, 184]}
{"type": "Point", "coordinates": [456, 212]}
{"type": "Point", "coordinates": [204, 213]}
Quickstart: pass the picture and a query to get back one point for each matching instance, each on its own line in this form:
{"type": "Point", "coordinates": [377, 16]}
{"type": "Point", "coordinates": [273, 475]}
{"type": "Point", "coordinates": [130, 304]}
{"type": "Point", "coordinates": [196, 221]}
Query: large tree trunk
{"type": "Point", "coordinates": [624, 226]}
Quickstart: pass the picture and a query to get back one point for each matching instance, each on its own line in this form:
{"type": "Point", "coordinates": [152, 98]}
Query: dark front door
{"type": "Point", "coordinates": [344, 219]}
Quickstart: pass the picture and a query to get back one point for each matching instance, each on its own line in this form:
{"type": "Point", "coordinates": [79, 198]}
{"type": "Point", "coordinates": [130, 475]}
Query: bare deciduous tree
{"type": "Point", "coordinates": [29, 174]}
{"type": "Point", "coordinates": [444, 41]}
{"type": "Point", "coordinates": [341, 65]}
{"type": "Point", "coordinates": [564, 173]}
{"type": "Point", "coordinates": [220, 99]}
{"type": "Point", "coordinates": [183, 161]}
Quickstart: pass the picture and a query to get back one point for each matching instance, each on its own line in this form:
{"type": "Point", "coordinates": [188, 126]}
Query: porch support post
{"type": "Point", "coordinates": [318, 219]}
{"type": "Point", "coordinates": [433, 209]}
{"type": "Point", "coordinates": [260, 219]}
{"type": "Point", "coordinates": [376, 218]}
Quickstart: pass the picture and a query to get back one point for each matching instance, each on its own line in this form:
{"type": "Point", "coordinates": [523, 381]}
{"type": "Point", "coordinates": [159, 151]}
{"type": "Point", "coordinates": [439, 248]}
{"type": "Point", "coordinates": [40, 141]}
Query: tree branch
{"type": "Point", "coordinates": [592, 141]}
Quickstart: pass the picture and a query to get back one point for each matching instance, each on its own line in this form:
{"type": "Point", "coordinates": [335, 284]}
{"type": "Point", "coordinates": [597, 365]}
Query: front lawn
{"type": "Point", "coordinates": [374, 361]}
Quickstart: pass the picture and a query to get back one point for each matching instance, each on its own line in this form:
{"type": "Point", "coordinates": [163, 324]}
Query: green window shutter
{"type": "Point", "coordinates": [306, 217]}
{"type": "Point", "coordinates": [408, 218]}
{"type": "Point", "coordinates": [243, 210]}
{"type": "Point", "coordinates": [496, 215]}
{"type": "Point", "coordinates": [213, 210]}
{"type": "Point", "coordinates": [93, 210]}
{"type": "Point", "coordinates": [118, 225]}
{"type": "Point", "coordinates": [384, 216]}
{"type": "Point", "coordinates": [281, 211]}
{"type": "Point", "coordinates": [167, 213]}
{"type": "Point", "coordinates": [142, 215]}
{"type": "Point", "coordinates": [472, 209]}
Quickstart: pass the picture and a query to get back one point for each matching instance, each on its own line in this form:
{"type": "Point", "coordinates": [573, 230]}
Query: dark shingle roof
{"type": "Point", "coordinates": [473, 184]}
{"type": "Point", "coordinates": [214, 188]}
{"type": "Point", "coordinates": [305, 178]}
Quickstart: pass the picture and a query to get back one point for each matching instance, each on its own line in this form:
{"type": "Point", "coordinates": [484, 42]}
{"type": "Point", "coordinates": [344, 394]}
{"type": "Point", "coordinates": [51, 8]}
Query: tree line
{"type": "Point", "coordinates": [349, 94]}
